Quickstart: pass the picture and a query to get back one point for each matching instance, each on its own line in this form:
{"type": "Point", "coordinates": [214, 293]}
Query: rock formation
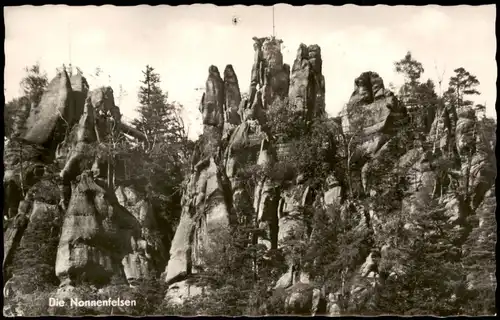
{"type": "Point", "coordinates": [375, 117]}
{"type": "Point", "coordinates": [207, 211]}
{"type": "Point", "coordinates": [54, 114]}
{"type": "Point", "coordinates": [269, 74]}
{"type": "Point", "coordinates": [59, 187]}
{"type": "Point", "coordinates": [249, 143]}
{"type": "Point", "coordinates": [233, 96]}
{"type": "Point", "coordinates": [59, 184]}
{"type": "Point", "coordinates": [307, 83]}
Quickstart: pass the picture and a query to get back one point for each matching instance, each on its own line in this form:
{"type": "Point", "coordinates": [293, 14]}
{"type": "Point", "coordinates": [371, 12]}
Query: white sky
{"type": "Point", "coordinates": [182, 42]}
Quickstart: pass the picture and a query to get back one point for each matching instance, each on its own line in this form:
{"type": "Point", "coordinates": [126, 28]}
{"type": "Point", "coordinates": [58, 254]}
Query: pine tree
{"type": "Point", "coordinates": [461, 85]}
{"type": "Point", "coordinates": [164, 158]}
{"type": "Point", "coordinates": [479, 260]}
{"type": "Point", "coordinates": [15, 114]}
{"type": "Point", "coordinates": [158, 119]}
{"type": "Point", "coordinates": [410, 68]}
{"type": "Point", "coordinates": [16, 111]}
{"type": "Point", "coordinates": [431, 279]}
{"type": "Point", "coordinates": [235, 275]}
{"type": "Point", "coordinates": [419, 97]}
{"type": "Point", "coordinates": [34, 83]}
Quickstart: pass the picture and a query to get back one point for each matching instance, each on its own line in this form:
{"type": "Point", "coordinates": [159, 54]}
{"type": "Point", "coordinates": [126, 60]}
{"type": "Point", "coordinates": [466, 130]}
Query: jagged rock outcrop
{"type": "Point", "coordinates": [248, 144]}
{"type": "Point", "coordinates": [266, 199]}
{"type": "Point", "coordinates": [442, 132]}
{"type": "Point", "coordinates": [30, 177]}
{"type": "Point", "coordinates": [269, 75]}
{"type": "Point", "coordinates": [232, 96]}
{"type": "Point", "coordinates": [89, 247]}
{"type": "Point", "coordinates": [29, 260]}
{"type": "Point", "coordinates": [61, 184]}
{"type": "Point", "coordinates": [452, 139]}
{"type": "Point", "coordinates": [207, 206]}
{"type": "Point", "coordinates": [213, 99]}
{"type": "Point", "coordinates": [55, 113]}
{"type": "Point", "coordinates": [375, 117]}
{"type": "Point", "coordinates": [307, 83]}
{"type": "Point", "coordinates": [43, 130]}
{"type": "Point", "coordinates": [148, 252]}
{"type": "Point", "coordinates": [292, 224]}
{"type": "Point", "coordinates": [482, 171]}
{"type": "Point", "coordinates": [111, 243]}
{"type": "Point", "coordinates": [80, 88]}
{"type": "Point", "coordinates": [241, 151]}
{"type": "Point", "coordinates": [60, 191]}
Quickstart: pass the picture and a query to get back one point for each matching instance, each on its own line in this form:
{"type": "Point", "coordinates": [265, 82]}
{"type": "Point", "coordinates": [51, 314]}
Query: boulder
{"type": "Point", "coordinates": [95, 235]}
{"type": "Point", "coordinates": [56, 111]}
{"type": "Point", "coordinates": [179, 292]}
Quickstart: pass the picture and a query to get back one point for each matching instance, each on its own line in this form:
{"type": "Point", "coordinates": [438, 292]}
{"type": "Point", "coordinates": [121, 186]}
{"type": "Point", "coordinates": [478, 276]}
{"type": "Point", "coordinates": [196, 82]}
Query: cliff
{"type": "Point", "coordinates": [327, 202]}
{"type": "Point", "coordinates": [58, 195]}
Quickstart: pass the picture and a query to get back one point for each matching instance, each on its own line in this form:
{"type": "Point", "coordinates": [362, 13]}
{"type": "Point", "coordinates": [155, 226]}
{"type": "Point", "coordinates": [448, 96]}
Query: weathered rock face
{"type": "Point", "coordinates": [266, 199]}
{"type": "Point", "coordinates": [204, 217]}
{"type": "Point", "coordinates": [269, 75]}
{"type": "Point", "coordinates": [333, 194]}
{"type": "Point", "coordinates": [27, 264]}
{"type": "Point", "coordinates": [206, 200]}
{"type": "Point", "coordinates": [213, 100]}
{"type": "Point", "coordinates": [443, 129]}
{"type": "Point", "coordinates": [80, 89]}
{"type": "Point", "coordinates": [212, 214]}
{"type": "Point", "coordinates": [29, 174]}
{"type": "Point", "coordinates": [24, 167]}
{"type": "Point", "coordinates": [241, 151]}
{"type": "Point", "coordinates": [180, 262]}
{"type": "Point", "coordinates": [482, 174]}
{"type": "Point", "coordinates": [465, 133]}
{"type": "Point", "coordinates": [85, 247]}
{"type": "Point", "coordinates": [206, 204]}
{"type": "Point", "coordinates": [31, 192]}
{"type": "Point", "coordinates": [368, 87]}
{"type": "Point", "coordinates": [148, 253]}
{"type": "Point", "coordinates": [57, 183]}
{"type": "Point", "coordinates": [55, 112]}
{"type": "Point", "coordinates": [12, 237]}
{"type": "Point", "coordinates": [374, 107]}
{"type": "Point", "coordinates": [307, 83]}
{"type": "Point", "coordinates": [375, 117]}
{"type": "Point", "coordinates": [83, 135]}
{"type": "Point", "coordinates": [100, 238]}
{"type": "Point", "coordinates": [232, 96]}
{"type": "Point", "coordinates": [290, 213]}
{"type": "Point", "coordinates": [107, 233]}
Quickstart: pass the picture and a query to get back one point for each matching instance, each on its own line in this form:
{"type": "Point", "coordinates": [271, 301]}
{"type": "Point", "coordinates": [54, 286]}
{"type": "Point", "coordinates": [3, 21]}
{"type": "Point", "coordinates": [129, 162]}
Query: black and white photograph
{"type": "Point", "coordinates": [249, 160]}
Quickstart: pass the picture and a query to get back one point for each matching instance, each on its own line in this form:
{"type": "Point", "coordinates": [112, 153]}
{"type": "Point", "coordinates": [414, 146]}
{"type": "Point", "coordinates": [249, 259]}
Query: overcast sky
{"type": "Point", "coordinates": [182, 42]}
